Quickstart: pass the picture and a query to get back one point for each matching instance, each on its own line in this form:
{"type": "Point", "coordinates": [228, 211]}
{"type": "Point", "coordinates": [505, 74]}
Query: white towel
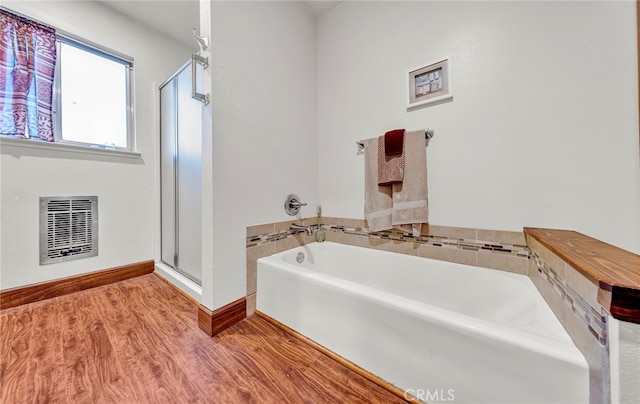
{"type": "Point", "coordinates": [404, 205]}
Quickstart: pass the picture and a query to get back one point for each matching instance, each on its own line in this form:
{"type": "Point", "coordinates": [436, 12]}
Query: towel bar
{"type": "Point", "coordinates": [428, 134]}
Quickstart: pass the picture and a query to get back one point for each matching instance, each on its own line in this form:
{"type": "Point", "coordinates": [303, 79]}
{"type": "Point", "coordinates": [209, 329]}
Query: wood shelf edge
{"type": "Point", "coordinates": [614, 270]}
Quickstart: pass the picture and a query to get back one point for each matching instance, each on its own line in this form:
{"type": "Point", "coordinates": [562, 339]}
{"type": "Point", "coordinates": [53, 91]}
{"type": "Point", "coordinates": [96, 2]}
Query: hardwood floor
{"type": "Point", "coordinates": [138, 341]}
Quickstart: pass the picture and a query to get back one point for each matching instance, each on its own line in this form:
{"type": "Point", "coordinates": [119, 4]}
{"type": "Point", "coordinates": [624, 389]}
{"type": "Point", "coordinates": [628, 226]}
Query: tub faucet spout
{"type": "Point", "coordinates": [295, 228]}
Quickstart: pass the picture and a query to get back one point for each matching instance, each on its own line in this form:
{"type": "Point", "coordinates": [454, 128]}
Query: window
{"type": "Point", "coordinates": [55, 87]}
{"type": "Point", "coordinates": [93, 97]}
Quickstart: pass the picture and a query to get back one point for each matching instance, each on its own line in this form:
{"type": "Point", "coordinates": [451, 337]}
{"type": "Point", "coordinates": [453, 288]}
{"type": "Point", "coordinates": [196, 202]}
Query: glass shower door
{"type": "Point", "coordinates": [180, 176]}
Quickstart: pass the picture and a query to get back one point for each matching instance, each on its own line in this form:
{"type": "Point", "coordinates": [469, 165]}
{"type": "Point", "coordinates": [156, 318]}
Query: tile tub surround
{"type": "Point", "coordinates": [503, 250]}
{"type": "Point", "coordinates": [267, 239]}
{"type": "Point", "coordinates": [614, 272]}
{"type": "Point", "coordinates": [586, 283]}
{"type": "Point", "coordinates": [495, 249]}
{"type": "Point", "coordinates": [590, 312]}
{"type": "Point", "coordinates": [573, 299]}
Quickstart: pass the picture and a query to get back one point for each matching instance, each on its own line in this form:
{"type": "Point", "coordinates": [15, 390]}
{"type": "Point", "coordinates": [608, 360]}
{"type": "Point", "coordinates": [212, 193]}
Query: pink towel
{"type": "Point", "coordinates": [410, 202]}
{"type": "Point", "coordinates": [377, 199]}
{"type": "Point", "coordinates": [401, 205]}
{"type": "Point", "coordinates": [390, 168]}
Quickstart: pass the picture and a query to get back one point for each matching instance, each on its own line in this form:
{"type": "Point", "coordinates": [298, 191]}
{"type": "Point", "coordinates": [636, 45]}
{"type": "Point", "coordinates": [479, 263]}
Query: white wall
{"type": "Point", "coordinates": [543, 127]}
{"type": "Point", "coordinates": [125, 187]}
{"type": "Point", "coordinates": [264, 128]}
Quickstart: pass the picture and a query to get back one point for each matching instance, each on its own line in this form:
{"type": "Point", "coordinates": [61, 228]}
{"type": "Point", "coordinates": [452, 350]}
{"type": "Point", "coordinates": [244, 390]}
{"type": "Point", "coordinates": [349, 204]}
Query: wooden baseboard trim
{"type": "Point", "coordinates": [212, 322]}
{"type": "Point", "coordinates": [59, 287]}
{"type": "Point", "coordinates": [344, 362]}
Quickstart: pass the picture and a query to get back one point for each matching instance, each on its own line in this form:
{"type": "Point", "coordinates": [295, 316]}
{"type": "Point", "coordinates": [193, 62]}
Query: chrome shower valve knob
{"type": "Point", "coordinates": [292, 204]}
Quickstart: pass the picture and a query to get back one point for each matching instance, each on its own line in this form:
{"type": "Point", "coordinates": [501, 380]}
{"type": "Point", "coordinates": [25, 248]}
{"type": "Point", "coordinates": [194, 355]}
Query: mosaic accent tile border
{"type": "Point", "coordinates": [260, 239]}
{"type": "Point", "coordinates": [594, 319]}
{"type": "Point", "coordinates": [433, 240]}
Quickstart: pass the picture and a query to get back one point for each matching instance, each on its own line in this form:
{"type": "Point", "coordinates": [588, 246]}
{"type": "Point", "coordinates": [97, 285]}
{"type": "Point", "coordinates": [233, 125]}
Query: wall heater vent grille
{"type": "Point", "coordinates": [68, 228]}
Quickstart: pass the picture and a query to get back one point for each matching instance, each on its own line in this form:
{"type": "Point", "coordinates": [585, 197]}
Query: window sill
{"type": "Point", "coordinates": [65, 147]}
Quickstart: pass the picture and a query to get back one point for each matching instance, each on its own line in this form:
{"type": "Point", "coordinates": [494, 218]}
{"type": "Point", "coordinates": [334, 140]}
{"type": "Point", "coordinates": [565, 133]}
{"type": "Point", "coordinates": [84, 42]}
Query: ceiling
{"type": "Point", "coordinates": [175, 18]}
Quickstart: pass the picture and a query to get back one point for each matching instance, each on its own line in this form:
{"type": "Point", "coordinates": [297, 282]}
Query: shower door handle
{"type": "Point", "coordinates": [198, 60]}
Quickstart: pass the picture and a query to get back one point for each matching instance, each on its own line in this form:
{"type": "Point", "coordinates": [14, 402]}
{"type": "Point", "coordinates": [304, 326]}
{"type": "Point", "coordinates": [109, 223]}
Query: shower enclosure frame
{"type": "Point", "coordinates": [179, 152]}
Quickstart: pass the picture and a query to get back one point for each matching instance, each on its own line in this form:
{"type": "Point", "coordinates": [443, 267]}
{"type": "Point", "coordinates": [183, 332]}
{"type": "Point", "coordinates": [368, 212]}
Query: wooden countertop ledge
{"type": "Point", "coordinates": [612, 269]}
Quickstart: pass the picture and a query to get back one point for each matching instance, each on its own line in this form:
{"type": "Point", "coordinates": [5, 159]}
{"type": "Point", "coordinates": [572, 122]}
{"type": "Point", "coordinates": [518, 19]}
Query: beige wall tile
{"type": "Point", "coordinates": [251, 304]}
{"type": "Point", "coordinates": [350, 239]}
{"type": "Point", "coordinates": [260, 229]}
{"type": "Point", "coordinates": [353, 223]}
{"type": "Point", "coordinates": [424, 229]}
{"type": "Point", "coordinates": [452, 232]}
{"type": "Point", "coordinates": [286, 225]}
{"type": "Point", "coordinates": [253, 253]}
{"type": "Point", "coordinates": [555, 262]}
{"type": "Point", "coordinates": [587, 289]}
{"type": "Point", "coordinates": [533, 244]}
{"type": "Point", "coordinates": [297, 240]}
{"type": "Point", "coordinates": [252, 277]}
{"type": "Point", "coordinates": [335, 237]}
{"type": "Point", "coordinates": [503, 262]}
{"type": "Point", "coordinates": [499, 236]}
{"type": "Point", "coordinates": [311, 220]}
{"type": "Point", "coordinates": [548, 293]}
{"type": "Point", "coordinates": [448, 254]}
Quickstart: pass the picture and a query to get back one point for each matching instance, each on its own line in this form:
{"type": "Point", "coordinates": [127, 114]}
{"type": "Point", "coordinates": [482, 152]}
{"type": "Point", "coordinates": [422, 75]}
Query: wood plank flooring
{"type": "Point", "coordinates": [138, 341]}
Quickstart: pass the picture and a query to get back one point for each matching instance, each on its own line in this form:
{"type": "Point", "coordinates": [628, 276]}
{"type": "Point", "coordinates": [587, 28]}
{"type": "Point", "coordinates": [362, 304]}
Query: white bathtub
{"type": "Point", "coordinates": [437, 330]}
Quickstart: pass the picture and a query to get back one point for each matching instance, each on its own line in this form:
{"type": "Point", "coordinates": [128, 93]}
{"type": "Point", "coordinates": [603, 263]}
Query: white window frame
{"type": "Point", "coordinates": [110, 54]}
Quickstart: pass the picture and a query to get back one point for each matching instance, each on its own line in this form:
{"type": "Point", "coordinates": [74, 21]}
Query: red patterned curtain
{"type": "Point", "coordinates": [27, 66]}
